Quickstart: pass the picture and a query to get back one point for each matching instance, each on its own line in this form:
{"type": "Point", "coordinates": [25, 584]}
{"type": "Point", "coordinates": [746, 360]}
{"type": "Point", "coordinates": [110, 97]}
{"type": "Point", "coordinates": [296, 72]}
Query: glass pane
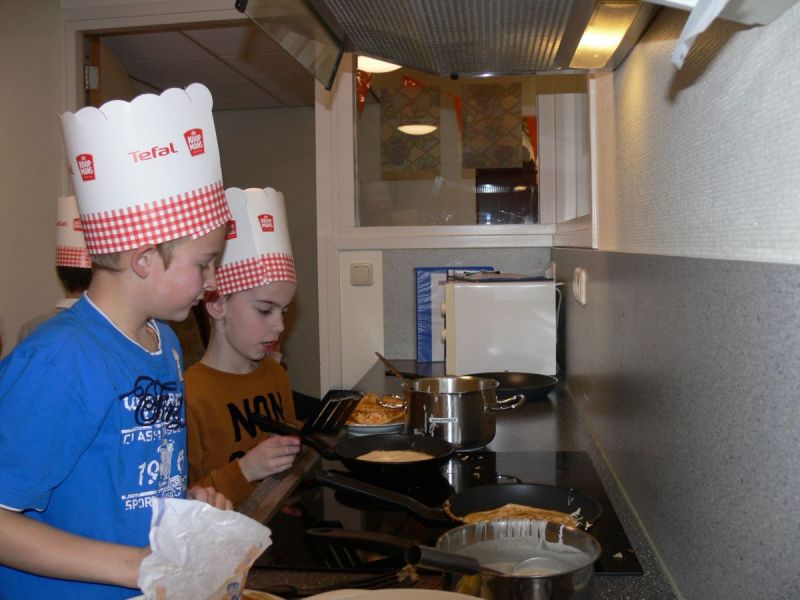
{"type": "Point", "coordinates": [475, 161]}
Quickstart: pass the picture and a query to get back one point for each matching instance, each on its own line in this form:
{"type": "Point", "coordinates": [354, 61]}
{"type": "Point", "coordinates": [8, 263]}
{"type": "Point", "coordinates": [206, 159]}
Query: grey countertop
{"type": "Point", "coordinates": [550, 424]}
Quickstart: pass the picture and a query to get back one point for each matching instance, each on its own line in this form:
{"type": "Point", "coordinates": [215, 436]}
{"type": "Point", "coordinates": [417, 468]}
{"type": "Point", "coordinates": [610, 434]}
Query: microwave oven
{"type": "Point", "coordinates": [500, 326]}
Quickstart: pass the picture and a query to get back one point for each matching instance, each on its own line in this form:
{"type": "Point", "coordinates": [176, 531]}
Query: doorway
{"type": "Point", "coordinates": [263, 112]}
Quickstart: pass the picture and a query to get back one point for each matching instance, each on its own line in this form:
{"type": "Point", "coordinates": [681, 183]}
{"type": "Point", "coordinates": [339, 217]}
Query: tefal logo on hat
{"type": "Point", "coordinates": [154, 152]}
{"type": "Point", "coordinates": [230, 230]}
{"type": "Point", "coordinates": [76, 224]}
{"type": "Point", "coordinates": [61, 223]}
{"type": "Point", "coordinates": [267, 222]}
{"type": "Point", "coordinates": [194, 140]}
{"type": "Point", "coordinates": [85, 166]}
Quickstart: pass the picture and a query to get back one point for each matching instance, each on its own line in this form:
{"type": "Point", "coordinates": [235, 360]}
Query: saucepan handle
{"type": "Point", "coordinates": [395, 547]}
{"type": "Point", "coordinates": [508, 403]}
{"type": "Point", "coordinates": [425, 556]}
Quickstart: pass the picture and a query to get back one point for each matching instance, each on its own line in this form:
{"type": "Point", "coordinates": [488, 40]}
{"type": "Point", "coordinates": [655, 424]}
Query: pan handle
{"type": "Point", "coordinates": [508, 403]}
{"type": "Point", "coordinates": [407, 503]}
{"type": "Point", "coordinates": [312, 441]}
{"type": "Point", "coordinates": [371, 541]}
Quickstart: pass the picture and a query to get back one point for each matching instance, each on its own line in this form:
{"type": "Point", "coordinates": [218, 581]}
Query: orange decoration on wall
{"type": "Point", "coordinates": [411, 82]}
{"type": "Point", "coordinates": [531, 123]}
{"type": "Point", "coordinates": [363, 82]}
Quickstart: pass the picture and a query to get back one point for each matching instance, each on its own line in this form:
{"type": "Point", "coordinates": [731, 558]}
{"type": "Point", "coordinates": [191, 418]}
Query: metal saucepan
{"type": "Point", "coordinates": [531, 385]}
{"type": "Point", "coordinates": [521, 559]}
{"type": "Point", "coordinates": [460, 409]}
{"type": "Point", "coordinates": [348, 450]}
{"type": "Point", "coordinates": [476, 499]}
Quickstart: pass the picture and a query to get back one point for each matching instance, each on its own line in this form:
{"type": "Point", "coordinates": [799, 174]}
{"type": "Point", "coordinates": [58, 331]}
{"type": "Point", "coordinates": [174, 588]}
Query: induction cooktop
{"type": "Point", "coordinates": [316, 506]}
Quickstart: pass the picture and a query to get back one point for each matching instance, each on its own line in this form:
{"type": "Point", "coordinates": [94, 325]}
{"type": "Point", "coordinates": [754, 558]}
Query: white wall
{"type": "Point", "coordinates": [362, 312]}
{"type": "Point", "coordinates": [275, 148]}
{"type": "Point", "coordinates": [706, 157]}
{"type": "Point", "coordinates": [31, 162]}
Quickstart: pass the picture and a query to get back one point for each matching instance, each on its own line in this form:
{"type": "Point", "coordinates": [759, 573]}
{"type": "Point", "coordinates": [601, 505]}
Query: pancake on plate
{"type": "Point", "coordinates": [369, 412]}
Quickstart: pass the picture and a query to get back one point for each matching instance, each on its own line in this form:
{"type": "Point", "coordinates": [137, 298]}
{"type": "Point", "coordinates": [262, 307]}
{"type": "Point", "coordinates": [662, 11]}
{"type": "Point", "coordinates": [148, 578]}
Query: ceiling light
{"type": "Point", "coordinates": [373, 65]}
{"type": "Point", "coordinates": [417, 128]}
{"type": "Point", "coordinates": [608, 25]}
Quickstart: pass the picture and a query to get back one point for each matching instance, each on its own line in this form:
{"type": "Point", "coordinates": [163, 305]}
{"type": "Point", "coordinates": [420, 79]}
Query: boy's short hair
{"type": "Point", "coordinates": [74, 279]}
{"type": "Point", "coordinates": [110, 262]}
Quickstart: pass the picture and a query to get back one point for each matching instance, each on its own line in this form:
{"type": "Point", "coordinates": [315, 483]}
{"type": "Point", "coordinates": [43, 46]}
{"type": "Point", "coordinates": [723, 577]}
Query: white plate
{"type": "Point", "coordinates": [359, 430]}
{"type": "Point", "coordinates": [392, 594]}
{"type": "Point", "coordinates": [255, 595]}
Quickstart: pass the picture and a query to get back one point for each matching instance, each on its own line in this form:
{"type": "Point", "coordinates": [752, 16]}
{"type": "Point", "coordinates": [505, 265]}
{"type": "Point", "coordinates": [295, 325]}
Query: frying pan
{"type": "Point", "coordinates": [349, 449]}
{"type": "Point", "coordinates": [475, 499]}
{"type": "Point", "coordinates": [531, 385]}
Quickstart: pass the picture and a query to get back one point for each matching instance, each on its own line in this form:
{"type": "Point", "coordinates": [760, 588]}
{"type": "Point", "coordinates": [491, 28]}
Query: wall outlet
{"type": "Point", "coordinates": [579, 285]}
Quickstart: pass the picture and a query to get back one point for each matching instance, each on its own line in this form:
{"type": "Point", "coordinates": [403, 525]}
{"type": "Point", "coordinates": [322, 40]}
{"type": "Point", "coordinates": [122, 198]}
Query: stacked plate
{"type": "Point", "coordinates": [357, 430]}
{"type": "Point", "coordinates": [370, 417]}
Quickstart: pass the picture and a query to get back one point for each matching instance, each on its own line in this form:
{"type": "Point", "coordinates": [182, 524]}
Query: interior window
{"type": "Point", "coordinates": [439, 151]}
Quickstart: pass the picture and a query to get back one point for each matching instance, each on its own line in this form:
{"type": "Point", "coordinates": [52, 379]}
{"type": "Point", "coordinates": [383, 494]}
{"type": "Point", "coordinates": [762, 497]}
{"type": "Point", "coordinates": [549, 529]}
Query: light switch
{"type": "Point", "coordinates": [579, 285]}
{"type": "Point", "coordinates": [360, 274]}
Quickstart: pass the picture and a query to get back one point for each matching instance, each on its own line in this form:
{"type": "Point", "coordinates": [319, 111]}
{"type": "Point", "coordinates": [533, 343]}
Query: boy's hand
{"type": "Point", "coordinates": [210, 496]}
{"type": "Point", "coordinates": [274, 455]}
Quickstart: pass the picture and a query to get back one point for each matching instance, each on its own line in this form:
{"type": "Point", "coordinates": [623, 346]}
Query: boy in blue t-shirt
{"type": "Point", "coordinates": [92, 413]}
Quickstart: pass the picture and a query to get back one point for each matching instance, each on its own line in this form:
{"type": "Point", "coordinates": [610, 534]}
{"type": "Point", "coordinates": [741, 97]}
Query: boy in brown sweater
{"type": "Point", "coordinates": [236, 378]}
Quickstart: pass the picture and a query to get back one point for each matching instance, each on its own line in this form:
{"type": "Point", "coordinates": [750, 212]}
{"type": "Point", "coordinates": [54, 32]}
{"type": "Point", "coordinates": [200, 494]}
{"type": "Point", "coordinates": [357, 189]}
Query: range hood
{"type": "Point", "coordinates": [444, 37]}
{"type": "Point", "coordinates": [468, 37]}
{"type": "Point", "coordinates": [473, 37]}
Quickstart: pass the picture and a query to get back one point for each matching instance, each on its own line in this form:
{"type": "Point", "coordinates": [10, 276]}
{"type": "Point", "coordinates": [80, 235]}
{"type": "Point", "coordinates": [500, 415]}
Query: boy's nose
{"type": "Point", "coordinates": [279, 326]}
{"type": "Point", "coordinates": [210, 283]}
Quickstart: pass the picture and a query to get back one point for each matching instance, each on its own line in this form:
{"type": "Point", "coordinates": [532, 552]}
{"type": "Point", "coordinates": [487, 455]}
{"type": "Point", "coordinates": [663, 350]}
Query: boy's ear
{"type": "Point", "coordinates": [215, 305]}
{"type": "Point", "coordinates": [142, 259]}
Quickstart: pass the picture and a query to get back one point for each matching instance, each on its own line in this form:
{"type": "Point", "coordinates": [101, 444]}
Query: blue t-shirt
{"type": "Point", "coordinates": [92, 431]}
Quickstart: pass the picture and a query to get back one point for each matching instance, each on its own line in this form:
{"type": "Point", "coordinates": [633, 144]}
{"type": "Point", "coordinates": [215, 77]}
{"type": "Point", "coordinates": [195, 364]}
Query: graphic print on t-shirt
{"type": "Point", "coordinates": [271, 409]}
{"type": "Point", "coordinates": [153, 413]}
{"type": "Point", "coordinates": [244, 417]}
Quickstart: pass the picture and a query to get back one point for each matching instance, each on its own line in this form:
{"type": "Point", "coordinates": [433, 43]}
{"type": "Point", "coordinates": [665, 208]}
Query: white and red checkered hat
{"type": "Point", "coordinates": [146, 171]}
{"type": "Point", "coordinates": [258, 250]}
{"type": "Point", "coordinates": [70, 243]}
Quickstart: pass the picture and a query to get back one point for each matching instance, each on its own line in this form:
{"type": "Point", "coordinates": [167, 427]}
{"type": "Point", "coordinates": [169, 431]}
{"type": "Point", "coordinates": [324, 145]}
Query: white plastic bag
{"type": "Point", "coordinates": [199, 551]}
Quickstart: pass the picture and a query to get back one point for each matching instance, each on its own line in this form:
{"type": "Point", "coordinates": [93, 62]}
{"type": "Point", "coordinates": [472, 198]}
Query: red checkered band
{"type": "Point", "coordinates": [255, 271]}
{"type": "Point", "coordinates": [73, 257]}
{"type": "Point", "coordinates": [192, 214]}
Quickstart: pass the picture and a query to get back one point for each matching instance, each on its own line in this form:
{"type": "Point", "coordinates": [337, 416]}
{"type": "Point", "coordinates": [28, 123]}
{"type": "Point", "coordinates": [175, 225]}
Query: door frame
{"type": "Point", "coordinates": [81, 17]}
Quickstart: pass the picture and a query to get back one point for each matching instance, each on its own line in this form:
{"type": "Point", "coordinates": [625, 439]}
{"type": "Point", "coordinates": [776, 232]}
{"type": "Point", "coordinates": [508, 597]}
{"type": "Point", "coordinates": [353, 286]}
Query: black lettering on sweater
{"type": "Point", "coordinates": [271, 408]}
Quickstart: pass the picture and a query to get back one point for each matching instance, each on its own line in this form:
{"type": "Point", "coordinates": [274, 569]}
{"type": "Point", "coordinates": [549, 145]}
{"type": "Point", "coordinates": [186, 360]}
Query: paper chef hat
{"type": "Point", "coordinates": [257, 250]}
{"type": "Point", "coordinates": [146, 171]}
{"type": "Point", "coordinates": [70, 243]}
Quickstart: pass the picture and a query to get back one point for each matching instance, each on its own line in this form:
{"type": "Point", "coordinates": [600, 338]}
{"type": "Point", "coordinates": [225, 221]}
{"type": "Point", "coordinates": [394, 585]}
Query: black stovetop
{"type": "Point", "coordinates": [319, 507]}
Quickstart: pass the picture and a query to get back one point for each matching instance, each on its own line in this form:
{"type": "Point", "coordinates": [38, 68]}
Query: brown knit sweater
{"type": "Point", "coordinates": [220, 427]}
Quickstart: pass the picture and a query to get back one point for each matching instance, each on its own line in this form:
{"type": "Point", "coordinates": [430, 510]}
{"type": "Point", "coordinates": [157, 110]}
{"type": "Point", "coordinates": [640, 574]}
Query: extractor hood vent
{"type": "Point", "coordinates": [471, 37]}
